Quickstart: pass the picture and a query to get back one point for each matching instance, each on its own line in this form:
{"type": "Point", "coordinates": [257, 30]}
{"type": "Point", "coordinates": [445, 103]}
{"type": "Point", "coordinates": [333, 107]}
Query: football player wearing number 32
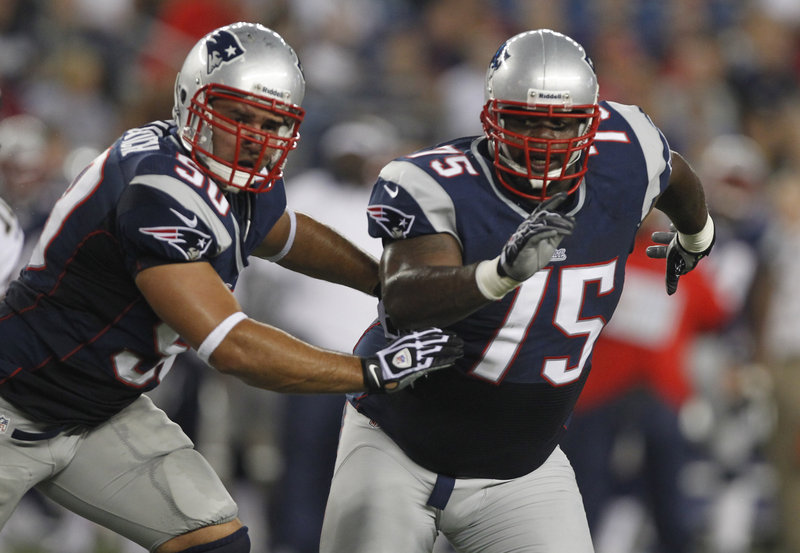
{"type": "Point", "coordinates": [517, 241]}
{"type": "Point", "coordinates": [136, 264]}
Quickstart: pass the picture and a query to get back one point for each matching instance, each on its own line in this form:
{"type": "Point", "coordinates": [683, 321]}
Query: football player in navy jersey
{"type": "Point", "coordinates": [136, 264]}
{"type": "Point", "coordinates": [516, 240]}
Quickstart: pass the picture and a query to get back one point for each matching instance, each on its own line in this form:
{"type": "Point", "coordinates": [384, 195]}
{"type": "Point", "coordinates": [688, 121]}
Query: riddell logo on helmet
{"type": "Point", "coordinates": [272, 92]}
{"type": "Point", "coordinates": [548, 96]}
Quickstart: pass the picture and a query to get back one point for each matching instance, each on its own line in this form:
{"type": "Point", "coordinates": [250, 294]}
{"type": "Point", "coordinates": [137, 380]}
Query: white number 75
{"type": "Point", "coordinates": [504, 347]}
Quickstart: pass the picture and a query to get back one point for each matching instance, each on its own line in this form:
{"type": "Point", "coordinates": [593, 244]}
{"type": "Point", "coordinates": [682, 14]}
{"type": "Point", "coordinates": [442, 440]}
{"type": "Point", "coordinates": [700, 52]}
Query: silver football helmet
{"type": "Point", "coordinates": [253, 65]}
{"type": "Point", "coordinates": [535, 75]}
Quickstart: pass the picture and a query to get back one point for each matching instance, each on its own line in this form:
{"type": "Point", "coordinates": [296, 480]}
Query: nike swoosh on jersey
{"type": "Point", "coordinates": [393, 192]}
{"type": "Point", "coordinates": [191, 223]}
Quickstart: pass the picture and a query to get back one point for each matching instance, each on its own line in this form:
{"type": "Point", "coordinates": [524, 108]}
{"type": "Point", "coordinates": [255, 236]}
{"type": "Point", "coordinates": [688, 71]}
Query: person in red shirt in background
{"type": "Point", "coordinates": [626, 421]}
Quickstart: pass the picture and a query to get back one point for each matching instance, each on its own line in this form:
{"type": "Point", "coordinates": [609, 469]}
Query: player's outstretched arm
{"type": "Point", "coordinates": [693, 234]}
{"type": "Point", "coordinates": [303, 244]}
{"type": "Point", "coordinates": [425, 282]}
{"type": "Point", "coordinates": [193, 300]}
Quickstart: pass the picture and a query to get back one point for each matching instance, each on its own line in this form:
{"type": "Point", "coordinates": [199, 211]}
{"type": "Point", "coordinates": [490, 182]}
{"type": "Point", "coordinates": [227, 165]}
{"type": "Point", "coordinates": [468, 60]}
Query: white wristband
{"type": "Point", "coordinates": [289, 241]}
{"type": "Point", "coordinates": [490, 283]}
{"type": "Point", "coordinates": [698, 242]}
{"type": "Point", "coordinates": [216, 336]}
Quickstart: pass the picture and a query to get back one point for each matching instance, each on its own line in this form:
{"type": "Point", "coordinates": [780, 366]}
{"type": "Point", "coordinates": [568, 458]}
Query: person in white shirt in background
{"type": "Point", "coordinates": [336, 194]}
{"type": "Point", "coordinates": [11, 242]}
{"type": "Point", "coordinates": [32, 176]}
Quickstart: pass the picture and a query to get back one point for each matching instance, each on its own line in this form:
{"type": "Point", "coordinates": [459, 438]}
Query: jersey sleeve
{"type": "Point", "coordinates": [161, 219]}
{"type": "Point", "coordinates": [407, 201]}
{"type": "Point", "coordinates": [655, 150]}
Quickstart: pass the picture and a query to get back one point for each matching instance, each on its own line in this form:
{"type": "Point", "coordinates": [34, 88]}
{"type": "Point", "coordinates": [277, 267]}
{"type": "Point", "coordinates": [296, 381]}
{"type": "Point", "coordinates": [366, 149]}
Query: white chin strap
{"type": "Point", "coordinates": [240, 178]}
{"type": "Point", "coordinates": [535, 182]}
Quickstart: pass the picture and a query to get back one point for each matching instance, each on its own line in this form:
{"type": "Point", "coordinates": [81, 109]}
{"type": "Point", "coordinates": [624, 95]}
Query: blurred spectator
{"type": "Point", "coordinates": [762, 61]}
{"type": "Point", "coordinates": [175, 27]}
{"type": "Point", "coordinates": [69, 93]}
{"type": "Point", "coordinates": [693, 100]}
{"type": "Point", "coordinates": [734, 171]}
{"type": "Point", "coordinates": [31, 178]}
{"type": "Point", "coordinates": [19, 48]}
{"type": "Point", "coordinates": [459, 87]}
{"type": "Point", "coordinates": [782, 348]}
{"type": "Point", "coordinates": [730, 417]}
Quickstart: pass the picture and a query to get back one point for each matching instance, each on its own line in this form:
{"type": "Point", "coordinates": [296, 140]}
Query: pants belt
{"type": "Point", "coordinates": [18, 434]}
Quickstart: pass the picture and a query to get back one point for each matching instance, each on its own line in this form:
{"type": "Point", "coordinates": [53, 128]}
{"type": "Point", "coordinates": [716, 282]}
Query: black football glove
{"type": "Point", "coordinates": [679, 260]}
{"type": "Point", "coordinates": [409, 357]}
{"type": "Point", "coordinates": [536, 238]}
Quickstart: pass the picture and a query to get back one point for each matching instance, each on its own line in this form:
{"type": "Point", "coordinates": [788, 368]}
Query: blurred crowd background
{"type": "Point", "coordinates": [688, 437]}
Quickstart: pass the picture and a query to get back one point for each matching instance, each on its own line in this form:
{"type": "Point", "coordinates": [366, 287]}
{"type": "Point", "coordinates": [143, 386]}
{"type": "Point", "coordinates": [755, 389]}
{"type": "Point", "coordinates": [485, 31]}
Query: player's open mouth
{"type": "Point", "coordinates": [541, 165]}
{"type": "Point", "coordinates": [247, 162]}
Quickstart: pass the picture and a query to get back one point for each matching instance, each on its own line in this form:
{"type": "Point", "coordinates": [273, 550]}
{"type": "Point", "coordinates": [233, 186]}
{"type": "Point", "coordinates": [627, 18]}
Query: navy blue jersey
{"type": "Point", "coordinates": [501, 411]}
{"type": "Point", "coordinates": [78, 342]}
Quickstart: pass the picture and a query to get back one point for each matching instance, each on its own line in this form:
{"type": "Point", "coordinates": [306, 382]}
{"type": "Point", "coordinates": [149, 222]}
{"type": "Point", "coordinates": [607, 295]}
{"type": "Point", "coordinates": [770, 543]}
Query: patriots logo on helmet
{"type": "Point", "coordinates": [499, 57]}
{"type": "Point", "coordinates": [392, 220]}
{"type": "Point", "coordinates": [222, 47]}
{"type": "Point", "coordinates": [191, 242]}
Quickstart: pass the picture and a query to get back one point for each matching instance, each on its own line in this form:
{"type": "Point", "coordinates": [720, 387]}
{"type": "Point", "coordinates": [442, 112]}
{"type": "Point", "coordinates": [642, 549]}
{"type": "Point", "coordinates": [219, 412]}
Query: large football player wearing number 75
{"type": "Point", "coordinates": [517, 240]}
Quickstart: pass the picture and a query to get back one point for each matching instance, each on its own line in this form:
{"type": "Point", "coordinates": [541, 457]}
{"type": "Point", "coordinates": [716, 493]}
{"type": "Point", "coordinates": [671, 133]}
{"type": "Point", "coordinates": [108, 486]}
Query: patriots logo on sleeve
{"type": "Point", "coordinates": [396, 223]}
{"type": "Point", "coordinates": [222, 47]}
{"type": "Point", "coordinates": [192, 243]}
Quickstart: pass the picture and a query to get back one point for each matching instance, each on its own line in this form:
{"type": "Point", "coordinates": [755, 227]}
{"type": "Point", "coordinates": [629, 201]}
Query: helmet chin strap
{"type": "Point", "coordinates": [240, 178]}
{"type": "Point", "coordinates": [536, 183]}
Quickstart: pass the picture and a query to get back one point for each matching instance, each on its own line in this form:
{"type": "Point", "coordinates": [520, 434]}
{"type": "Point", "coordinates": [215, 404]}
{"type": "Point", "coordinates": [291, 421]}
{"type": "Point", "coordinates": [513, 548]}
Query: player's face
{"type": "Point", "coordinates": [256, 125]}
{"type": "Point", "coordinates": [555, 131]}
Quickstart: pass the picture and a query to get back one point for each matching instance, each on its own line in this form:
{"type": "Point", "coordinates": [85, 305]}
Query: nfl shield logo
{"type": "Point", "coordinates": [4, 424]}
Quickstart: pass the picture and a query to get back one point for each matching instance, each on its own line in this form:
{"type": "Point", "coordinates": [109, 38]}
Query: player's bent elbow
{"type": "Point", "coordinates": [397, 313]}
{"type": "Point", "coordinates": [402, 316]}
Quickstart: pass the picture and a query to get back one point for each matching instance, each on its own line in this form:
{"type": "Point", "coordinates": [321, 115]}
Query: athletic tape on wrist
{"type": "Point", "coordinates": [490, 283]}
{"type": "Point", "coordinates": [289, 241]}
{"type": "Point", "coordinates": [698, 242]}
{"type": "Point", "coordinates": [216, 336]}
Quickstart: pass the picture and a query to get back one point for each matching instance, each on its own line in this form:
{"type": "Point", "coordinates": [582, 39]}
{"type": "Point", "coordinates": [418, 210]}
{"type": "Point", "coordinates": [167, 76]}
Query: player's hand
{"type": "Point", "coordinates": [679, 260]}
{"type": "Point", "coordinates": [409, 357]}
{"type": "Point", "coordinates": [533, 243]}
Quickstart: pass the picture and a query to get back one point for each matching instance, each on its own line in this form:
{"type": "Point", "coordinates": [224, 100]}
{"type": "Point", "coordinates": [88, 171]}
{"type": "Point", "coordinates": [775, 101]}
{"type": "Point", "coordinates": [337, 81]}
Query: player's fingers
{"type": "Point", "coordinates": [560, 222]}
{"type": "Point", "coordinates": [656, 252]}
{"type": "Point", "coordinates": [662, 237]}
{"type": "Point", "coordinates": [552, 203]}
{"type": "Point", "coordinates": [542, 234]}
{"type": "Point", "coordinates": [672, 283]}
